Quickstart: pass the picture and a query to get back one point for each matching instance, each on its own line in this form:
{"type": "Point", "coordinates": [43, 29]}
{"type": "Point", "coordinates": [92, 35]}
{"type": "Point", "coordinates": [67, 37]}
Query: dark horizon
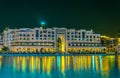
{"type": "Point", "coordinates": [101, 16]}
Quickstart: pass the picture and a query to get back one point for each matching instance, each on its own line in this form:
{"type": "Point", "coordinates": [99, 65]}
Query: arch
{"type": "Point", "coordinates": [28, 49]}
{"type": "Point", "coordinates": [20, 49]}
{"type": "Point", "coordinates": [24, 49]}
{"type": "Point", "coordinates": [42, 50]}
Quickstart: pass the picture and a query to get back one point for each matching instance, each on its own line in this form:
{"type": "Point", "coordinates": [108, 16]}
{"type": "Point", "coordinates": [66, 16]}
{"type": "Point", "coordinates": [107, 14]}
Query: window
{"type": "Point", "coordinates": [40, 38]}
{"type": "Point", "coordinates": [86, 44]}
{"type": "Point", "coordinates": [90, 36]}
{"type": "Point", "coordinates": [44, 38]}
{"type": "Point", "coordinates": [24, 39]}
{"type": "Point", "coordinates": [96, 44]}
{"type": "Point", "coordinates": [28, 35]}
{"type": "Point", "coordinates": [40, 32]}
{"type": "Point", "coordinates": [52, 32]}
{"type": "Point", "coordinates": [38, 43]}
{"type": "Point", "coordinates": [90, 39]}
{"type": "Point", "coordinates": [69, 44]}
{"type": "Point", "coordinates": [40, 35]}
{"type": "Point", "coordinates": [20, 34]}
{"type": "Point", "coordinates": [89, 44]}
{"type": "Point", "coordinates": [68, 32]}
{"type": "Point", "coordinates": [83, 34]}
{"type": "Point", "coordinates": [20, 38]}
{"type": "Point", "coordinates": [45, 31]}
{"type": "Point", "coordinates": [49, 32]}
{"type": "Point", "coordinates": [72, 44]}
{"type": "Point", "coordinates": [30, 43]}
{"type": "Point", "coordinates": [76, 44]}
{"type": "Point", "coordinates": [45, 35]}
{"type": "Point", "coordinates": [72, 32]}
{"type": "Point", "coordinates": [35, 43]}
{"type": "Point", "coordinates": [37, 33]}
{"type": "Point", "coordinates": [98, 37]}
{"type": "Point", "coordinates": [24, 34]}
{"type": "Point", "coordinates": [83, 44]}
{"type": "Point", "coordinates": [86, 36]}
{"type": "Point", "coordinates": [52, 35]}
{"type": "Point", "coordinates": [48, 35]}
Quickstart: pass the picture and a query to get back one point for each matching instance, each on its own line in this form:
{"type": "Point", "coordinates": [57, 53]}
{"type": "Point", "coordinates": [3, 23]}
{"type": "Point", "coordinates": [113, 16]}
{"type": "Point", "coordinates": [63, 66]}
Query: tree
{"type": "Point", "coordinates": [5, 48]}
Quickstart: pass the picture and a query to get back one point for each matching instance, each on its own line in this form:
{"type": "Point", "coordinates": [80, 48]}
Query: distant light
{"type": "Point", "coordinates": [43, 23]}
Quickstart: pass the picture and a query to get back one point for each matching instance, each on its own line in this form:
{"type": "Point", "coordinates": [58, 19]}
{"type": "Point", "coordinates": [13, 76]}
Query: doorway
{"type": "Point", "coordinates": [60, 44]}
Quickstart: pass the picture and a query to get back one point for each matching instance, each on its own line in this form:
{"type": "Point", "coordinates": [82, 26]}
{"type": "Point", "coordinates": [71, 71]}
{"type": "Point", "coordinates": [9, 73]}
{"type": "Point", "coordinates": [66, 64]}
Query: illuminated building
{"type": "Point", "coordinates": [1, 42]}
{"type": "Point", "coordinates": [108, 41]}
{"type": "Point", "coordinates": [51, 40]}
{"type": "Point", "coordinates": [118, 45]}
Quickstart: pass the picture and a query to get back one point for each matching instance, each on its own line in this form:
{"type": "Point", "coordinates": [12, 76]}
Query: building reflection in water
{"type": "Point", "coordinates": [0, 61]}
{"type": "Point", "coordinates": [62, 66]}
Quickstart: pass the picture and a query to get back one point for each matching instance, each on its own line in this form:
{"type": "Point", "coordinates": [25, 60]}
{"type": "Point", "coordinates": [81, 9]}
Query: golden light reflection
{"type": "Point", "coordinates": [23, 64]}
{"type": "Point", "coordinates": [0, 61]}
{"type": "Point", "coordinates": [62, 64]}
{"type": "Point", "coordinates": [47, 64]}
{"type": "Point", "coordinates": [32, 64]}
{"type": "Point", "coordinates": [119, 62]}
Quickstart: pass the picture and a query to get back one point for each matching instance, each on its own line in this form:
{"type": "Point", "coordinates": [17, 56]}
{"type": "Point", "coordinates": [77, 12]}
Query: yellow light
{"type": "Point", "coordinates": [0, 61]}
{"type": "Point", "coordinates": [118, 41]}
{"type": "Point", "coordinates": [62, 64]}
{"type": "Point", "coordinates": [23, 64]}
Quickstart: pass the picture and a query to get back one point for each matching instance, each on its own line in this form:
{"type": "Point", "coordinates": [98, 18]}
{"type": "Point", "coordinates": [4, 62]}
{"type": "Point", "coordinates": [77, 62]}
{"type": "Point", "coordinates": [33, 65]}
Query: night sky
{"type": "Point", "coordinates": [102, 16]}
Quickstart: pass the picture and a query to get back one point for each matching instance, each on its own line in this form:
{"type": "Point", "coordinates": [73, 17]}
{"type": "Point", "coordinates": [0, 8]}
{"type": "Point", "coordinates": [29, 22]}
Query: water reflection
{"type": "Point", "coordinates": [60, 66]}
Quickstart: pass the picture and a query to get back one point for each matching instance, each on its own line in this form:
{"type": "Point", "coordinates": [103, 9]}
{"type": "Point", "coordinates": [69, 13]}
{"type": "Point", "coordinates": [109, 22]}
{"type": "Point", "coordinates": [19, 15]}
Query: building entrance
{"type": "Point", "coordinates": [61, 44]}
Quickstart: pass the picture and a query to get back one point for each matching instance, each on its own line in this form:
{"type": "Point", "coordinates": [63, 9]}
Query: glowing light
{"type": "Point", "coordinates": [118, 41]}
{"type": "Point", "coordinates": [43, 23]}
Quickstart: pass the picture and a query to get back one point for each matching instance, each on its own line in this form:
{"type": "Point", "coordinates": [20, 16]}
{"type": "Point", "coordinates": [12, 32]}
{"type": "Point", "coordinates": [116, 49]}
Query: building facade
{"type": "Point", "coordinates": [118, 45]}
{"type": "Point", "coordinates": [1, 42]}
{"type": "Point", "coordinates": [109, 43]}
{"type": "Point", "coordinates": [51, 40]}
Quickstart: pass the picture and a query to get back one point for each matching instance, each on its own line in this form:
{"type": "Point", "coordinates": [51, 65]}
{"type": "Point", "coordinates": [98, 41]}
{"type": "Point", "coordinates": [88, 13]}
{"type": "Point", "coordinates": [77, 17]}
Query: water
{"type": "Point", "coordinates": [90, 66]}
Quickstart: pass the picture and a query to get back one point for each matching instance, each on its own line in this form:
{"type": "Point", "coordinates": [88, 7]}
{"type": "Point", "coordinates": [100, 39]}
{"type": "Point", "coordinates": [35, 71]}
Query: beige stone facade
{"type": "Point", "coordinates": [50, 39]}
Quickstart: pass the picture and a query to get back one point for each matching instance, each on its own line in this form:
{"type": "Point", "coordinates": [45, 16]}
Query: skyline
{"type": "Point", "coordinates": [101, 16]}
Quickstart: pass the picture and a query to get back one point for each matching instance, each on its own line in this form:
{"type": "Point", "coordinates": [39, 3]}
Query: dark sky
{"type": "Point", "coordinates": [100, 15]}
